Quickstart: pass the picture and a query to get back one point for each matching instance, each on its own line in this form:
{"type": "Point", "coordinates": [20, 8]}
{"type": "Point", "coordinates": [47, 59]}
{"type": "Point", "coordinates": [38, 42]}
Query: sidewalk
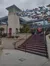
{"type": "Point", "coordinates": [8, 42]}
{"type": "Point", "coordinates": [11, 57]}
{"type": "Point", "coordinates": [19, 58]}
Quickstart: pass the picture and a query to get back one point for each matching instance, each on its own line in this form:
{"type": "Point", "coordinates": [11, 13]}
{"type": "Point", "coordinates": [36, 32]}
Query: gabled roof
{"type": "Point", "coordinates": [13, 6]}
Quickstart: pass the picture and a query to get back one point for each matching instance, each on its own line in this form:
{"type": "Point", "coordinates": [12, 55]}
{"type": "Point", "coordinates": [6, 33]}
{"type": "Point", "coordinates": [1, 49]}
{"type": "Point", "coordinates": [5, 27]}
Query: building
{"type": "Point", "coordinates": [15, 19]}
{"type": "Point", "coordinates": [12, 24]}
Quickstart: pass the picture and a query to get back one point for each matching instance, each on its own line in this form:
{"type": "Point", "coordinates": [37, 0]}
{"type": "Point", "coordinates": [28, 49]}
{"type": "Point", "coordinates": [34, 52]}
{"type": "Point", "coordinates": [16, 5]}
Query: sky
{"type": "Point", "coordinates": [22, 4]}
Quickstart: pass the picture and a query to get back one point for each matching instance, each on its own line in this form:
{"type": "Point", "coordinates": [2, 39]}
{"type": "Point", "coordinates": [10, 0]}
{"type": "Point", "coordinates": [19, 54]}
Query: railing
{"type": "Point", "coordinates": [46, 46]}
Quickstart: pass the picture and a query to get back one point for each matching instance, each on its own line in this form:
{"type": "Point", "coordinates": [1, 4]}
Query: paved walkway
{"type": "Point", "coordinates": [8, 42]}
{"type": "Point", "coordinates": [19, 58]}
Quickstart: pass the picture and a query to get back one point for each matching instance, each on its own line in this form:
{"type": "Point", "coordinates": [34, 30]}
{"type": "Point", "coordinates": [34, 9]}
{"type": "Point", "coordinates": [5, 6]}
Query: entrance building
{"type": "Point", "coordinates": [13, 20]}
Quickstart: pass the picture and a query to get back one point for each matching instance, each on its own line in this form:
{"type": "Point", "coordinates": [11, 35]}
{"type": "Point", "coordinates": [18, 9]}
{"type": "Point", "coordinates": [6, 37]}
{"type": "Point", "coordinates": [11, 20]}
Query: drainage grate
{"type": "Point", "coordinates": [22, 59]}
{"type": "Point", "coordinates": [7, 53]}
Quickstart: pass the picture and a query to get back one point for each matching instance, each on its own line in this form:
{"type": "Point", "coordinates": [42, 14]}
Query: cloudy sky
{"type": "Point", "coordinates": [22, 4]}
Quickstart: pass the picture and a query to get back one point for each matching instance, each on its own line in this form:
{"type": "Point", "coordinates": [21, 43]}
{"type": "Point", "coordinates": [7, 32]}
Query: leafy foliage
{"type": "Point", "coordinates": [25, 29]}
{"type": "Point", "coordinates": [1, 30]}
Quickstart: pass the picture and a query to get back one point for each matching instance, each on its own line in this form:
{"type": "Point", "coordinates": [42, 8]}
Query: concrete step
{"type": "Point", "coordinates": [35, 45]}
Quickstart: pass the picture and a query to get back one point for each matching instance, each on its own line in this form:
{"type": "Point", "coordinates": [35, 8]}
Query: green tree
{"type": "Point", "coordinates": [25, 29]}
{"type": "Point", "coordinates": [1, 30]}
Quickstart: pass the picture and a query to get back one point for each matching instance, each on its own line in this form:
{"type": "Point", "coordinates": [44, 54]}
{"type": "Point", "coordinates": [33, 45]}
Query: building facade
{"type": "Point", "coordinates": [13, 20]}
{"type": "Point", "coordinates": [16, 18]}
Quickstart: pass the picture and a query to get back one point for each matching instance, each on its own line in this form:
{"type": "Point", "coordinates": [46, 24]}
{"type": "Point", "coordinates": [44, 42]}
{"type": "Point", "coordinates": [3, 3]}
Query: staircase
{"type": "Point", "coordinates": [35, 44]}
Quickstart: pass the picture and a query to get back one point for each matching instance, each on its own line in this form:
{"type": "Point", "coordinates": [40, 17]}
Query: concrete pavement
{"type": "Point", "coordinates": [19, 58]}
{"type": "Point", "coordinates": [11, 57]}
{"type": "Point", "coordinates": [8, 42]}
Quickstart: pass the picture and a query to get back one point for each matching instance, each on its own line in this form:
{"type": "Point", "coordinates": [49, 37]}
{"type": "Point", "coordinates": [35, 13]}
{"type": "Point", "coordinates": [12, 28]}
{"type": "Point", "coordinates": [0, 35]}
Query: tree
{"type": "Point", "coordinates": [1, 30]}
{"type": "Point", "coordinates": [25, 29]}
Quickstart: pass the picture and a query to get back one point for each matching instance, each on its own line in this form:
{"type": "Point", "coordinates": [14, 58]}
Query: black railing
{"type": "Point", "coordinates": [46, 47]}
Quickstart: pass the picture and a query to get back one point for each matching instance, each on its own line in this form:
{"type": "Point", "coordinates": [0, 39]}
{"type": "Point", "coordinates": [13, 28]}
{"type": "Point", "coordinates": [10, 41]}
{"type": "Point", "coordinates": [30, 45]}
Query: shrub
{"type": "Point", "coordinates": [11, 37]}
{"type": "Point", "coordinates": [25, 29]}
{"type": "Point", "coordinates": [16, 36]}
{"type": "Point", "coordinates": [4, 35]}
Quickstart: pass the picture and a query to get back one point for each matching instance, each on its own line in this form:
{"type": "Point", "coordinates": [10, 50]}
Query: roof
{"type": "Point", "coordinates": [26, 19]}
{"type": "Point", "coordinates": [23, 20]}
{"type": "Point", "coordinates": [4, 20]}
{"type": "Point", "coordinates": [3, 23]}
{"type": "Point", "coordinates": [13, 6]}
{"type": "Point", "coordinates": [37, 21]}
{"type": "Point", "coordinates": [48, 5]}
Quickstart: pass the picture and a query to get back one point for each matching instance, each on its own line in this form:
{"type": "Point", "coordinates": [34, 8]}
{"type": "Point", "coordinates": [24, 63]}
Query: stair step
{"type": "Point", "coordinates": [36, 48]}
{"type": "Point", "coordinates": [33, 52]}
{"type": "Point", "coordinates": [44, 54]}
{"type": "Point", "coordinates": [35, 44]}
{"type": "Point", "coordinates": [41, 51]}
